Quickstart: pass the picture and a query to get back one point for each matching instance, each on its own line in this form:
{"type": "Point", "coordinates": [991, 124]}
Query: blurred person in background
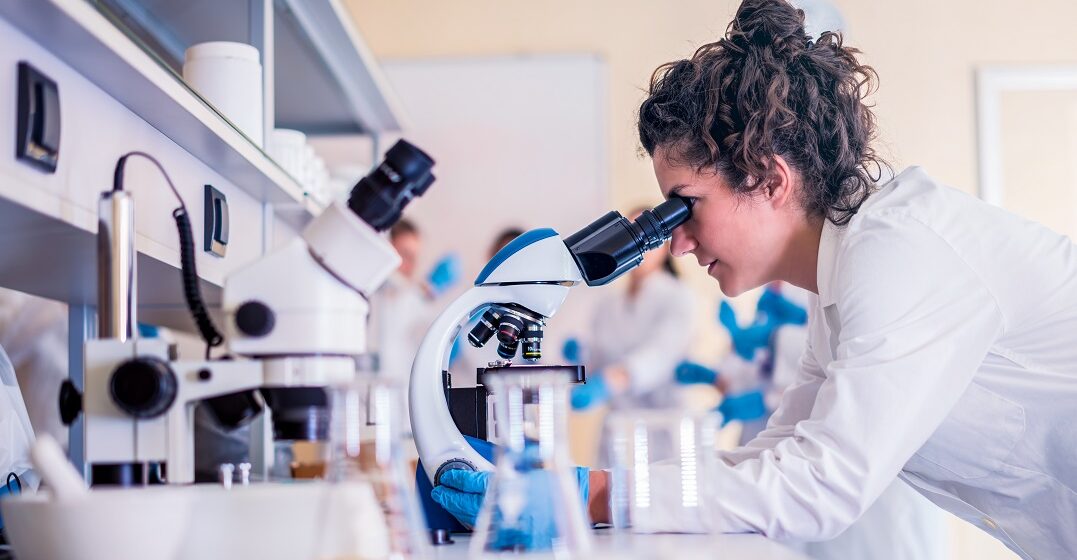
{"type": "Point", "coordinates": [465, 360]}
{"type": "Point", "coordinates": [33, 331]}
{"type": "Point", "coordinates": [639, 332]}
{"type": "Point", "coordinates": [403, 307]}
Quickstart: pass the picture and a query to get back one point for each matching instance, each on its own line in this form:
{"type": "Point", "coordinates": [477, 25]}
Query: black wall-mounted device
{"type": "Point", "coordinates": [37, 131]}
{"type": "Point", "coordinates": [216, 222]}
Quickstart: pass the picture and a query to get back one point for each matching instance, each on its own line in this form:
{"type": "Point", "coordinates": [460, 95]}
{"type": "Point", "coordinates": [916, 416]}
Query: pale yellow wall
{"type": "Point", "coordinates": [924, 50]}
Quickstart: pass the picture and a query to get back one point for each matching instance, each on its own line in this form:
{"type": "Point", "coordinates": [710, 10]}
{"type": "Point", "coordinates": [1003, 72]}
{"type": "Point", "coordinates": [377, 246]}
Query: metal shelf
{"type": "Point", "coordinates": [84, 39]}
{"type": "Point", "coordinates": [325, 78]}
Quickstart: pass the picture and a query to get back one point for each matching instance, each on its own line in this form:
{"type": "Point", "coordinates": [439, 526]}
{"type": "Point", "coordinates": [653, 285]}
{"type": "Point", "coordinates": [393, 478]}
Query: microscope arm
{"type": "Point", "coordinates": [438, 440]}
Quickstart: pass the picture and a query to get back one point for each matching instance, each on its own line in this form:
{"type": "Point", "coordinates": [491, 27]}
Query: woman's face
{"type": "Point", "coordinates": [739, 239]}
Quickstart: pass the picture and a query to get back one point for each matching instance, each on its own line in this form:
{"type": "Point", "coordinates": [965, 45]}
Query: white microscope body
{"type": "Point", "coordinates": [534, 271]}
{"type": "Point", "coordinates": [294, 319]}
{"type": "Point", "coordinates": [525, 282]}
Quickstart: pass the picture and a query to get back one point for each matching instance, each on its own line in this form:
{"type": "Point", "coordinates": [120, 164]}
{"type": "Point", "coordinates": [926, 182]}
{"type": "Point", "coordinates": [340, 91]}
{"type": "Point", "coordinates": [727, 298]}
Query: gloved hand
{"type": "Point", "coordinates": [745, 340]}
{"type": "Point", "coordinates": [591, 393]}
{"type": "Point", "coordinates": [572, 350]}
{"type": "Point", "coordinates": [779, 310]}
{"type": "Point", "coordinates": [445, 274]}
{"type": "Point", "coordinates": [745, 407]}
{"type": "Point", "coordinates": [461, 493]}
{"type": "Point", "coordinates": [689, 373]}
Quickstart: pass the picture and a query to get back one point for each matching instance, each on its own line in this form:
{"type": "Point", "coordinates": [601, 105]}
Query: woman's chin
{"type": "Point", "coordinates": [728, 283]}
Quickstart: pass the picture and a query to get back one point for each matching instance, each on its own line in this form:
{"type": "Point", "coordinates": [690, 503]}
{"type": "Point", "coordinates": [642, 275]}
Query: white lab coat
{"type": "Point", "coordinates": [400, 315]}
{"type": "Point", "coordinates": [648, 335]}
{"type": "Point", "coordinates": [942, 348]}
{"type": "Point", "coordinates": [33, 330]}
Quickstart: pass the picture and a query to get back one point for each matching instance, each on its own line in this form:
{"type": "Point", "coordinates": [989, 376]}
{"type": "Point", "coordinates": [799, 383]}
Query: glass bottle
{"type": "Point", "coordinates": [370, 508]}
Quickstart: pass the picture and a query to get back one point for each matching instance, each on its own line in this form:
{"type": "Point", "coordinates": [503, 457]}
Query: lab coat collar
{"type": "Point", "coordinates": [828, 250]}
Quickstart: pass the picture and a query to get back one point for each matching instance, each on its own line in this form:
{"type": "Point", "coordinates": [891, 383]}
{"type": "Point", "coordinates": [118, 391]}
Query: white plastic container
{"type": "Point", "coordinates": [108, 524]}
{"type": "Point", "coordinates": [288, 148]}
{"type": "Point", "coordinates": [229, 76]}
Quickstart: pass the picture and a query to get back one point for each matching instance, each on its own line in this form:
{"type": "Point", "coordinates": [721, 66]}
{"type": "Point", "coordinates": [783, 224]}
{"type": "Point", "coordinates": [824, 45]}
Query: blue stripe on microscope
{"type": "Point", "coordinates": [511, 249]}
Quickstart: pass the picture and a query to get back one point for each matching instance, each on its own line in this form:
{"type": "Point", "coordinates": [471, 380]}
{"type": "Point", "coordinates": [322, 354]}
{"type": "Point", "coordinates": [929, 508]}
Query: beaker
{"type": "Point", "coordinates": [662, 474]}
{"type": "Point", "coordinates": [371, 510]}
{"type": "Point", "coordinates": [532, 504]}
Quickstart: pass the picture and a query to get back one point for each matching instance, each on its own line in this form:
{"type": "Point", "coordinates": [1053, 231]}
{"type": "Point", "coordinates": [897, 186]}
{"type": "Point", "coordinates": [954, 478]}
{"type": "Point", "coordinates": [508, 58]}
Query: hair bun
{"type": "Point", "coordinates": [769, 23]}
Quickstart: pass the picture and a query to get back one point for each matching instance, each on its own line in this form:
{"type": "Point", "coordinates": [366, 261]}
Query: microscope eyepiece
{"type": "Point", "coordinates": [657, 224]}
{"type": "Point", "coordinates": [381, 196]}
{"type": "Point", "coordinates": [611, 245]}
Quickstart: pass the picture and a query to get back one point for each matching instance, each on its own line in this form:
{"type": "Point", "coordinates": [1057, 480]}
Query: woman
{"type": "Point", "coordinates": [637, 337]}
{"type": "Point", "coordinates": [942, 344]}
{"type": "Point", "coordinates": [943, 340]}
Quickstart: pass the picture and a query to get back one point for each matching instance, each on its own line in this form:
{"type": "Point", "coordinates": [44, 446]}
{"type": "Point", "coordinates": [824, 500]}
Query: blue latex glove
{"type": "Point", "coordinates": [779, 310]}
{"type": "Point", "coordinates": [445, 273]}
{"type": "Point", "coordinates": [745, 407]}
{"type": "Point", "coordinates": [745, 340]}
{"type": "Point", "coordinates": [572, 350]}
{"type": "Point", "coordinates": [461, 493]}
{"type": "Point", "coordinates": [593, 392]}
{"type": "Point", "coordinates": [689, 373]}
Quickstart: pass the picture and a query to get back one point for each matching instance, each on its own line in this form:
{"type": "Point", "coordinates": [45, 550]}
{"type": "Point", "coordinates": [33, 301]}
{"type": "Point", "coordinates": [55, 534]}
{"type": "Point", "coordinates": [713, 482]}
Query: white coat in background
{"type": "Point", "coordinates": [648, 335]}
{"type": "Point", "coordinates": [33, 330]}
{"type": "Point", "coordinates": [400, 314]}
{"type": "Point", "coordinates": [942, 349]}
{"type": "Point", "coordinates": [16, 435]}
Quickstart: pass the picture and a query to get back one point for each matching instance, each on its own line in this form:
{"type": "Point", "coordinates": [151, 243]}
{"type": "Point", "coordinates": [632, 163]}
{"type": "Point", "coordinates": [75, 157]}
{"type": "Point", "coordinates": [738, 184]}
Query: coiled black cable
{"type": "Point", "coordinates": [12, 477]}
{"type": "Point", "coordinates": [191, 291]}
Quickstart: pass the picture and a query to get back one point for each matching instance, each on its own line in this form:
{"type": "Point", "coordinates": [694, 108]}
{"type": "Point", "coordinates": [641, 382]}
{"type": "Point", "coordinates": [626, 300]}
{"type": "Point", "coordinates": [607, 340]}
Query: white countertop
{"type": "Point", "coordinates": [680, 547]}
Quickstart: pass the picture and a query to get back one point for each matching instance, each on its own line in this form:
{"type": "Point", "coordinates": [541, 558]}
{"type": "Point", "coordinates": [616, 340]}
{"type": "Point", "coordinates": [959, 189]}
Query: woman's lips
{"type": "Point", "coordinates": [710, 267]}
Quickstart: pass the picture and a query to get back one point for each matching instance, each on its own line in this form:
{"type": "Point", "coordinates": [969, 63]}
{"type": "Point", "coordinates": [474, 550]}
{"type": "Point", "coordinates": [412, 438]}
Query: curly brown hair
{"type": "Point", "coordinates": [766, 89]}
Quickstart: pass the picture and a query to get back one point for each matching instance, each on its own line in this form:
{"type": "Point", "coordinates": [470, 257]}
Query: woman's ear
{"type": "Point", "coordinates": [779, 188]}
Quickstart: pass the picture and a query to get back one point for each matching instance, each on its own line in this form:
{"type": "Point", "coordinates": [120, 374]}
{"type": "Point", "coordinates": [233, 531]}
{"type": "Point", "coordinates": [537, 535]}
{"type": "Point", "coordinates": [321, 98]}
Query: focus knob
{"type": "Point", "coordinates": [255, 318]}
{"type": "Point", "coordinates": [143, 387]}
{"type": "Point", "coordinates": [70, 402]}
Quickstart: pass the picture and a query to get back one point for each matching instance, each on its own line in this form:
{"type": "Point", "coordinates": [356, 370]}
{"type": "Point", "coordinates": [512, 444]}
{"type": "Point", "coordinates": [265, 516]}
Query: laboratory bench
{"type": "Point", "coordinates": [661, 546]}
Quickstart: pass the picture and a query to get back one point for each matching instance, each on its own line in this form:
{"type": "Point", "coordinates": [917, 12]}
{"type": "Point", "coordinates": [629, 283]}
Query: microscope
{"type": "Point", "coordinates": [295, 323]}
{"type": "Point", "coordinates": [522, 286]}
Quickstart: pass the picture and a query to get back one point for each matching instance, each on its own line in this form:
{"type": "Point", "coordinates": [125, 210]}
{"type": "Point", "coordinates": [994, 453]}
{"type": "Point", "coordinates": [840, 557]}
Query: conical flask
{"type": "Point", "coordinates": [532, 505]}
{"type": "Point", "coordinates": [370, 508]}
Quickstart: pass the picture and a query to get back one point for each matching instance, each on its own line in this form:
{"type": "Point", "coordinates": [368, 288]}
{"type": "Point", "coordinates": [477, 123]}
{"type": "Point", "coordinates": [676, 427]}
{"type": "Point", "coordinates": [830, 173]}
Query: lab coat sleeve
{"type": "Point", "coordinates": [652, 364]}
{"type": "Point", "coordinates": [910, 325]}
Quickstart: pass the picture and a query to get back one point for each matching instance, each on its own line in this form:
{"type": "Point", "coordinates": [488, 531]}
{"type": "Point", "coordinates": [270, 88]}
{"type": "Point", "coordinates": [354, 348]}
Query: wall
{"type": "Point", "coordinates": [925, 52]}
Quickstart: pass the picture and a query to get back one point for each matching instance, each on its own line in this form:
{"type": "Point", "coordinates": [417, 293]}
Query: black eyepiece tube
{"type": "Point", "coordinates": [658, 223]}
{"type": "Point", "coordinates": [611, 245]}
{"type": "Point", "coordinates": [381, 196]}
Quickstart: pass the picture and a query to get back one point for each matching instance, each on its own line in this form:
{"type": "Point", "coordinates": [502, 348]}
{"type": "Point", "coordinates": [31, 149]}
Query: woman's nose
{"type": "Point", "coordinates": [682, 243]}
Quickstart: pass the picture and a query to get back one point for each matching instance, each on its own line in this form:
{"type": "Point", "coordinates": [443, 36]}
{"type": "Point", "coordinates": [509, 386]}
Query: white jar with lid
{"type": "Point", "coordinates": [229, 76]}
